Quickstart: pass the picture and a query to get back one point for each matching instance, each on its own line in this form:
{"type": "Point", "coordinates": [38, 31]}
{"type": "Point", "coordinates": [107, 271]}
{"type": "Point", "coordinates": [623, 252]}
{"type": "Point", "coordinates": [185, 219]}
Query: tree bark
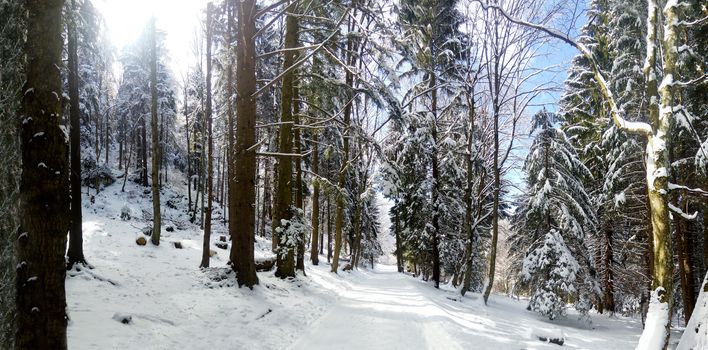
{"type": "Point", "coordinates": [658, 163]}
{"type": "Point", "coordinates": [322, 231]}
{"type": "Point", "coordinates": [314, 241]}
{"type": "Point", "coordinates": [497, 184]}
{"type": "Point", "coordinates": [189, 150]}
{"type": "Point", "coordinates": [106, 133]}
{"type": "Point", "coordinates": [685, 242]}
{"type": "Point", "coordinates": [210, 143]}
{"type": "Point", "coordinates": [399, 244]}
{"type": "Point", "coordinates": [143, 149]}
{"type": "Point", "coordinates": [609, 280]}
{"type": "Point", "coordinates": [75, 253]}
{"type": "Point", "coordinates": [469, 232]}
{"type": "Point", "coordinates": [284, 201]}
{"type": "Point", "coordinates": [156, 229]}
{"type": "Point", "coordinates": [44, 183]}
{"type": "Point", "coordinates": [436, 176]}
{"type": "Point", "coordinates": [121, 142]}
{"type": "Point", "coordinates": [341, 181]}
{"type": "Point", "coordinates": [243, 186]}
{"type": "Point", "coordinates": [329, 229]}
{"type": "Point", "coordinates": [266, 196]}
{"type": "Point", "coordinates": [299, 200]}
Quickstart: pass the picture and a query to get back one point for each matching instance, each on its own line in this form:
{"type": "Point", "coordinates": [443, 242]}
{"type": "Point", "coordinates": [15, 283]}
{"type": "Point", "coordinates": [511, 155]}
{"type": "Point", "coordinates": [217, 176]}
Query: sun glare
{"type": "Point", "coordinates": [179, 19]}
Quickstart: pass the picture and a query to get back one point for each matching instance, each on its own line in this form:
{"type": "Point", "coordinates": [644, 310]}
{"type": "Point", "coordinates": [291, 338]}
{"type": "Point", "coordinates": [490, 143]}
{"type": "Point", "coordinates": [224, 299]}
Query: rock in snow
{"type": "Point", "coordinates": [123, 318]}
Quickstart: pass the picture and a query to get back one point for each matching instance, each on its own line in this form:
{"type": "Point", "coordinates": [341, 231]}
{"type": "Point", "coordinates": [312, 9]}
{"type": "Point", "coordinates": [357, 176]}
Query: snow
{"type": "Point", "coordinates": [620, 199]}
{"type": "Point", "coordinates": [667, 81]}
{"type": "Point", "coordinates": [167, 302]}
{"type": "Point", "coordinates": [655, 327]}
{"type": "Point", "coordinates": [696, 334]}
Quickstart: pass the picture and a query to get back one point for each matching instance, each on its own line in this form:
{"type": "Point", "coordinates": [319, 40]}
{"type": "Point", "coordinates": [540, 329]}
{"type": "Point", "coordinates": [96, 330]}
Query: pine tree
{"type": "Point", "coordinates": [435, 27]}
{"type": "Point", "coordinates": [554, 220]}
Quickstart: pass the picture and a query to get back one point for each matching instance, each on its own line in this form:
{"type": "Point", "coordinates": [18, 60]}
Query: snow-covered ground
{"type": "Point", "coordinates": [173, 304]}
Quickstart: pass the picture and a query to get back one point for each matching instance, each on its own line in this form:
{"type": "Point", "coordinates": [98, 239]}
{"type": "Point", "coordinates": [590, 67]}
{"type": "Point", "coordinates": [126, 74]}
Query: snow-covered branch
{"type": "Point", "coordinates": [694, 191]}
{"type": "Point", "coordinates": [683, 214]}
{"type": "Point", "coordinates": [620, 121]}
{"type": "Point", "coordinates": [308, 56]}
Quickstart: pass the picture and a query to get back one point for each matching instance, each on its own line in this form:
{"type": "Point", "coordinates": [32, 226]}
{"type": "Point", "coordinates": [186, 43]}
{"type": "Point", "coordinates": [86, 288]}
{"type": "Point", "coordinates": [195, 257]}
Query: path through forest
{"type": "Point", "coordinates": [384, 310]}
{"type": "Point", "coordinates": [172, 304]}
{"type": "Point", "coordinates": [387, 310]}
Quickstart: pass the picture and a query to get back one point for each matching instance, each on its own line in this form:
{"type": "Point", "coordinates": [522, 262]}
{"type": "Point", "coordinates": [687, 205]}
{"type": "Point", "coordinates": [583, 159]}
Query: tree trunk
{"type": "Point", "coordinates": [436, 176]}
{"type": "Point", "coordinates": [399, 244]}
{"type": "Point", "coordinates": [121, 142]}
{"type": "Point", "coordinates": [685, 242]}
{"type": "Point", "coordinates": [658, 165]}
{"type": "Point", "coordinates": [469, 233]}
{"type": "Point", "coordinates": [299, 200]}
{"type": "Point", "coordinates": [266, 196]}
{"type": "Point", "coordinates": [107, 130]}
{"type": "Point", "coordinates": [44, 183]}
{"type": "Point", "coordinates": [314, 241]}
{"type": "Point", "coordinates": [189, 150]}
{"type": "Point", "coordinates": [156, 229]}
{"type": "Point", "coordinates": [329, 229]}
{"type": "Point", "coordinates": [609, 298]}
{"type": "Point", "coordinates": [705, 236]}
{"type": "Point", "coordinates": [143, 149]}
{"type": "Point", "coordinates": [284, 201]}
{"type": "Point", "coordinates": [322, 231]}
{"type": "Point", "coordinates": [75, 253]}
{"type": "Point", "coordinates": [497, 184]}
{"type": "Point", "coordinates": [202, 172]}
{"type": "Point", "coordinates": [231, 127]}
{"type": "Point", "coordinates": [341, 201]}
{"type": "Point", "coordinates": [210, 143]}
{"type": "Point", "coordinates": [243, 186]}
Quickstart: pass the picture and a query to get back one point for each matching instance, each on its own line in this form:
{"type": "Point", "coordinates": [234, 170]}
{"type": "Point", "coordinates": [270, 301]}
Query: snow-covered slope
{"type": "Point", "coordinates": [172, 304]}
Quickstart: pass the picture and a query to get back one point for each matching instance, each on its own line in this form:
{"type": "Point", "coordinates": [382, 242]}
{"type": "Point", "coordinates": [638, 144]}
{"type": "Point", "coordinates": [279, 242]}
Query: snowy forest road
{"type": "Point", "coordinates": [385, 310]}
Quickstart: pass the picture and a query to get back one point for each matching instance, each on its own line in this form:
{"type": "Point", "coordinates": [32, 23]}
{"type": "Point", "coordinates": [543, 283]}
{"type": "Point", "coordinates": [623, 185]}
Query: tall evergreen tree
{"type": "Point", "coordinates": [44, 195]}
{"type": "Point", "coordinates": [434, 25]}
{"type": "Point", "coordinates": [553, 221]}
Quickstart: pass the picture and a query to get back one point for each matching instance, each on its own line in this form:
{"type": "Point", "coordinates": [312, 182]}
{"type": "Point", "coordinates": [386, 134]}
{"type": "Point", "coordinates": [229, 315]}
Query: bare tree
{"type": "Point", "coordinates": [508, 54]}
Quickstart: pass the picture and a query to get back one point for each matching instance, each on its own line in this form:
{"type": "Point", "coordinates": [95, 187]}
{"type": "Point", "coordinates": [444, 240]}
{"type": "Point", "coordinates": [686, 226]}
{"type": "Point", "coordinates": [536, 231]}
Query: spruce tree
{"type": "Point", "coordinates": [554, 220]}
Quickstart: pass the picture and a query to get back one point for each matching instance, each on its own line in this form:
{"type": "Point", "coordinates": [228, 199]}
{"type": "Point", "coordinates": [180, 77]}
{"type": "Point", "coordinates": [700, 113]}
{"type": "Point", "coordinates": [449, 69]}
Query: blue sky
{"type": "Point", "coordinates": [557, 54]}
